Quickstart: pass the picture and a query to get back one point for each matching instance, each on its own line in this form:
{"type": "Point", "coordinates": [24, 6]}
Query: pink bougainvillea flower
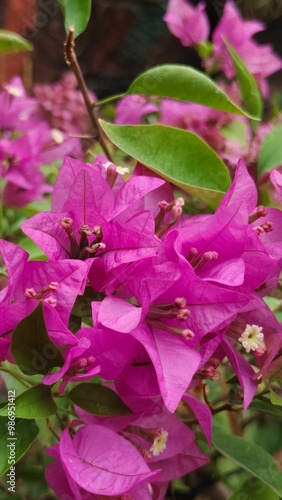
{"type": "Point", "coordinates": [63, 105]}
{"type": "Point", "coordinates": [18, 111]}
{"type": "Point", "coordinates": [162, 319]}
{"type": "Point", "coordinates": [165, 442]}
{"type": "Point", "coordinates": [122, 231]}
{"type": "Point", "coordinates": [57, 283]}
{"type": "Point", "coordinates": [188, 23]}
{"type": "Point", "coordinates": [131, 109]}
{"type": "Point", "coordinates": [95, 448]}
{"type": "Point", "coordinates": [259, 59]}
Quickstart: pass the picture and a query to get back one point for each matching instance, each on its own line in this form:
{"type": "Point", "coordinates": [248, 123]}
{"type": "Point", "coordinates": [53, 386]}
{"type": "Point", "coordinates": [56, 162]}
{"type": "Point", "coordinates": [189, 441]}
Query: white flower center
{"type": "Point", "coordinates": [159, 444]}
{"type": "Point", "coordinates": [252, 338]}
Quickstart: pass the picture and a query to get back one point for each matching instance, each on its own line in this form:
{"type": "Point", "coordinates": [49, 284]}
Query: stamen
{"type": "Point", "coordinates": [30, 293]}
{"type": "Point", "coordinates": [261, 211]}
{"type": "Point", "coordinates": [80, 365]}
{"type": "Point", "coordinates": [266, 227]}
{"type": "Point", "coordinates": [192, 254]}
{"type": "Point", "coordinates": [67, 225]}
{"type": "Point", "coordinates": [175, 207]}
{"type": "Point", "coordinates": [175, 310]}
{"type": "Point", "coordinates": [210, 371]}
{"type": "Point", "coordinates": [144, 452]}
{"type": "Point", "coordinates": [51, 300]}
{"type": "Point", "coordinates": [97, 230]}
{"type": "Point", "coordinates": [84, 231]}
{"type": "Point", "coordinates": [186, 333]}
{"type": "Point", "coordinates": [199, 261]}
{"type": "Point", "coordinates": [87, 252]}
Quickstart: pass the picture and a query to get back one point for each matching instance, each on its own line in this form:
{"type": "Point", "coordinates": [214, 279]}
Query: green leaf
{"type": "Point", "coordinates": [270, 154]}
{"type": "Point", "coordinates": [12, 42]}
{"type": "Point", "coordinates": [76, 14]}
{"type": "Point", "coordinates": [36, 402]}
{"type": "Point", "coordinates": [275, 398]}
{"type": "Point", "coordinates": [266, 407]}
{"type": "Point", "coordinates": [251, 457]}
{"type": "Point", "coordinates": [254, 489]}
{"type": "Point", "coordinates": [98, 400]}
{"type": "Point", "coordinates": [184, 84]}
{"type": "Point", "coordinates": [35, 253]}
{"type": "Point", "coordinates": [178, 156]}
{"type": "Point", "coordinates": [25, 433]}
{"type": "Point", "coordinates": [32, 348]}
{"type": "Point", "coordinates": [248, 86]}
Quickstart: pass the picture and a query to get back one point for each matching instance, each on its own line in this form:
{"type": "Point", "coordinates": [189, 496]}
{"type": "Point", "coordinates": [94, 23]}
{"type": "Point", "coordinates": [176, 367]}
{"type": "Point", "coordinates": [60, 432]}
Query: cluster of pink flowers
{"type": "Point", "coordinates": [190, 24]}
{"type": "Point", "coordinates": [177, 294]}
{"type": "Point", "coordinates": [63, 104]}
{"type": "Point", "coordinates": [26, 143]}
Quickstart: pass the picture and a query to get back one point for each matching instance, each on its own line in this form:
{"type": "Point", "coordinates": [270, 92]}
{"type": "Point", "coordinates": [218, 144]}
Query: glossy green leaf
{"type": "Point", "coordinates": [25, 433]}
{"type": "Point", "coordinates": [12, 42]}
{"type": "Point", "coordinates": [184, 84]}
{"type": "Point", "coordinates": [270, 154]}
{"type": "Point", "coordinates": [98, 400]}
{"type": "Point", "coordinates": [251, 457]}
{"type": "Point", "coordinates": [32, 348]}
{"type": "Point", "coordinates": [254, 489]}
{"type": "Point", "coordinates": [76, 13]}
{"type": "Point", "coordinates": [265, 407]}
{"type": "Point", "coordinates": [248, 86]}
{"type": "Point", "coordinates": [36, 402]}
{"type": "Point", "coordinates": [179, 156]}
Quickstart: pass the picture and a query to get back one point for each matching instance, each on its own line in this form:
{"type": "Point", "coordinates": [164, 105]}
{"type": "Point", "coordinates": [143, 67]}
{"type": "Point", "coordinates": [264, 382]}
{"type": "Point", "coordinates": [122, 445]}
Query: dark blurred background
{"type": "Point", "coordinates": [123, 38]}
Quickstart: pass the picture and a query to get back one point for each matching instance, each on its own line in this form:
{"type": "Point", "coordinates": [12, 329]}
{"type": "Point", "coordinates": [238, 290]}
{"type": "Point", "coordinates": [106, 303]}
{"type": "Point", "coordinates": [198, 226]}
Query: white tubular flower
{"type": "Point", "coordinates": [159, 444]}
{"type": "Point", "coordinates": [252, 339]}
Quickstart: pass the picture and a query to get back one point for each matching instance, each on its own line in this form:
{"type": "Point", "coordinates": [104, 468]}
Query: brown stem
{"type": "Point", "coordinates": [72, 62]}
{"type": "Point", "coordinates": [50, 427]}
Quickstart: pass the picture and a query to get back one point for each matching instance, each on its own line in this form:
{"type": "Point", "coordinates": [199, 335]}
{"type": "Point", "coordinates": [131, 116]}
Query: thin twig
{"type": "Point", "coordinates": [72, 62]}
{"type": "Point", "coordinates": [50, 427]}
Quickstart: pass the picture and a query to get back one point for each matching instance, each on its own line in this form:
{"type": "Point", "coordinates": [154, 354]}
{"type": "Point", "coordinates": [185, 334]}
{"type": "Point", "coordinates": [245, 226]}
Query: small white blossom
{"type": "Point", "coordinates": [14, 91]}
{"type": "Point", "coordinates": [57, 136]}
{"type": "Point", "coordinates": [252, 338]}
{"type": "Point", "coordinates": [159, 444]}
{"type": "Point", "coordinates": [120, 170]}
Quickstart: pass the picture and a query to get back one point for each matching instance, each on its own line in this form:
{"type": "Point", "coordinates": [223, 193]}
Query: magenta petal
{"type": "Point", "coordinates": [119, 315]}
{"type": "Point", "coordinates": [100, 461]}
{"type": "Point", "coordinates": [243, 189]}
{"type": "Point", "coordinates": [69, 171]}
{"type": "Point", "coordinates": [202, 413]}
{"type": "Point", "coordinates": [175, 363]}
{"type": "Point", "coordinates": [244, 372]}
{"type": "Point", "coordinates": [134, 190]}
{"type": "Point", "coordinates": [14, 258]}
{"type": "Point", "coordinates": [46, 231]}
